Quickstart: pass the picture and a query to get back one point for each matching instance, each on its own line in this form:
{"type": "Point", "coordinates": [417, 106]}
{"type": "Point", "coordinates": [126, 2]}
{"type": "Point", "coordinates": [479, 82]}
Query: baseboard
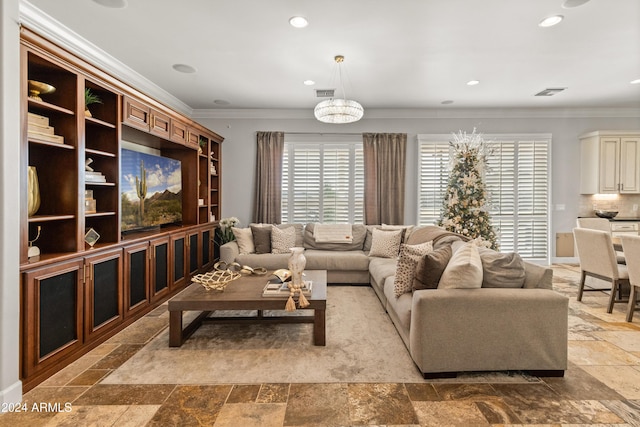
{"type": "Point", "coordinates": [12, 394]}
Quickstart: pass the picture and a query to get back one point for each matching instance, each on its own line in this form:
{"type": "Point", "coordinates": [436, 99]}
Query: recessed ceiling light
{"type": "Point", "coordinates": [298, 21]}
{"type": "Point", "coordinates": [473, 82]}
{"type": "Point", "coordinates": [309, 82]}
{"type": "Point", "coordinates": [184, 68]}
{"type": "Point", "coordinates": [550, 21]}
{"type": "Point", "coordinates": [568, 4]}
{"type": "Point", "coordinates": [635, 82]}
{"type": "Point", "coordinates": [447, 102]}
{"type": "Point", "coordinates": [221, 102]}
{"type": "Point", "coordinates": [114, 4]}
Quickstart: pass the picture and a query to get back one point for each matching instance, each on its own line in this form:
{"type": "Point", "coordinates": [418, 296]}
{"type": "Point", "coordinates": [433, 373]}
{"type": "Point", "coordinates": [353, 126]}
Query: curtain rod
{"type": "Point", "coordinates": [324, 133]}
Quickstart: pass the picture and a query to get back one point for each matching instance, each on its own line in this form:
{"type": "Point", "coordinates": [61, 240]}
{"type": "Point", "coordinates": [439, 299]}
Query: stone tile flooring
{"type": "Point", "coordinates": [601, 387]}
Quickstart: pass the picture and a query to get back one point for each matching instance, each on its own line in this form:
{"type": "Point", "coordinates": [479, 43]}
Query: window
{"type": "Point", "coordinates": [517, 180]}
{"type": "Point", "coordinates": [322, 181]}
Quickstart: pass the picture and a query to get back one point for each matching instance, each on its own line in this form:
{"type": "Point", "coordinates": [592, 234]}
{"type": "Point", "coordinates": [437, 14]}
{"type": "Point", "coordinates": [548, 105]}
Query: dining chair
{"type": "Point", "coordinates": [601, 224]}
{"type": "Point", "coordinates": [631, 248]}
{"type": "Point", "coordinates": [598, 259]}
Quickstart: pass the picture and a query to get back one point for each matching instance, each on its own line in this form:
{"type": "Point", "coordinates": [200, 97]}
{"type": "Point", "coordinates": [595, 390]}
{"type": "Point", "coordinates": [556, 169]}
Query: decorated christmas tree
{"type": "Point", "coordinates": [465, 208]}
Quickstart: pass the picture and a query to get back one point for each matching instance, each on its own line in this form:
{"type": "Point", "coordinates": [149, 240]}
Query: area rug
{"type": "Point", "coordinates": [362, 345]}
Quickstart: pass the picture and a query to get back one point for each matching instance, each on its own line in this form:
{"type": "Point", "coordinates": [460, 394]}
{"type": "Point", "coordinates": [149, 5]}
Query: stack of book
{"type": "Point", "coordinates": [38, 129]}
{"type": "Point", "coordinates": [275, 288]}
{"type": "Point", "coordinates": [94, 177]}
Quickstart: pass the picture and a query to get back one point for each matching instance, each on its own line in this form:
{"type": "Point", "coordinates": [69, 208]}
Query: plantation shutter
{"type": "Point", "coordinates": [433, 173]}
{"type": "Point", "coordinates": [323, 182]}
{"type": "Point", "coordinates": [517, 180]}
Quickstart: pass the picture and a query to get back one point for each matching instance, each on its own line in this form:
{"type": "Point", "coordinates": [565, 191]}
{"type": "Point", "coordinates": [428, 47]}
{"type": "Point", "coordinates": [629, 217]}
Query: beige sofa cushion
{"type": "Point", "coordinates": [464, 270]}
{"type": "Point", "coordinates": [336, 260]}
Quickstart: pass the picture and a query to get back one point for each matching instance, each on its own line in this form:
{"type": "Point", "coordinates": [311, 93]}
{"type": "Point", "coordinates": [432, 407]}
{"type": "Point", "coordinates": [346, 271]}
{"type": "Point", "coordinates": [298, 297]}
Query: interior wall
{"type": "Point", "coordinates": [239, 153]}
{"type": "Point", "coordinates": [10, 385]}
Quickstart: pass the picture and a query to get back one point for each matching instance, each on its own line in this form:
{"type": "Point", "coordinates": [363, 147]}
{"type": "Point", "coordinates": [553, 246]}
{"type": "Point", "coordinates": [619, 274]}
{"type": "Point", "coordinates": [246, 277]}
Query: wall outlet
{"type": "Point", "coordinates": [635, 208]}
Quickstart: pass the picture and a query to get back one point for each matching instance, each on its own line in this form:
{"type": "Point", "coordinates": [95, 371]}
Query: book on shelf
{"type": "Point", "coordinates": [94, 177]}
{"type": "Point", "coordinates": [275, 288]}
{"type": "Point", "coordinates": [37, 119]}
{"type": "Point", "coordinates": [36, 128]}
{"type": "Point", "coordinates": [45, 137]}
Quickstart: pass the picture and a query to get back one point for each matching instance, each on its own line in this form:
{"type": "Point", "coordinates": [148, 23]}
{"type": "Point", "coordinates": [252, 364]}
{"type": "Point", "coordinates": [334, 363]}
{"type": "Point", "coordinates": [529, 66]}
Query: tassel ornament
{"type": "Point", "coordinates": [291, 305]}
{"type": "Point", "coordinates": [302, 300]}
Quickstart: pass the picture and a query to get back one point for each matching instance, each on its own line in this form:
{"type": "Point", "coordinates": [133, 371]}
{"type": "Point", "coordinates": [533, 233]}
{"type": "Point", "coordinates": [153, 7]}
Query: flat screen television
{"type": "Point", "coordinates": [151, 191]}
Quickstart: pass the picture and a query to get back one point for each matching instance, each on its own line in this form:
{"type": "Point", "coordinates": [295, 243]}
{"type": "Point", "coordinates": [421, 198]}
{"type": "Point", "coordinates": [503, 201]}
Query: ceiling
{"type": "Point", "coordinates": [400, 54]}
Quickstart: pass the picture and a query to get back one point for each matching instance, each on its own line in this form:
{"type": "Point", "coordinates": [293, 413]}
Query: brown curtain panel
{"type": "Point", "coordinates": [384, 171]}
{"type": "Point", "coordinates": [268, 194]}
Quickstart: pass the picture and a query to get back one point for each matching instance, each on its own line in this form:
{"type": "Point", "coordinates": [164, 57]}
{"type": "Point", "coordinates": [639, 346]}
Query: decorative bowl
{"type": "Point", "coordinates": [606, 214]}
{"type": "Point", "coordinates": [38, 88]}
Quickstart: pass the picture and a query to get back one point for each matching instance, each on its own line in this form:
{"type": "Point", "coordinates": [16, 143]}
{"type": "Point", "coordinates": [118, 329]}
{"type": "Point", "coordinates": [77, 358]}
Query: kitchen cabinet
{"type": "Point", "coordinates": [610, 162]}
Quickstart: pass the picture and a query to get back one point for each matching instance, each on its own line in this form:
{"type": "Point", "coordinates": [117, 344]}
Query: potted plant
{"type": "Point", "coordinates": [90, 98]}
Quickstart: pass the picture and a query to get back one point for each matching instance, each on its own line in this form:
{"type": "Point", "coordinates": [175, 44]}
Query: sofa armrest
{"type": "Point", "coordinates": [229, 251]}
{"type": "Point", "coordinates": [489, 329]}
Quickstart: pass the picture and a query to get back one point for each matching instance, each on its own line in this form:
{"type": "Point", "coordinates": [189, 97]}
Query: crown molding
{"type": "Point", "coordinates": [409, 113]}
{"type": "Point", "coordinates": [53, 30]}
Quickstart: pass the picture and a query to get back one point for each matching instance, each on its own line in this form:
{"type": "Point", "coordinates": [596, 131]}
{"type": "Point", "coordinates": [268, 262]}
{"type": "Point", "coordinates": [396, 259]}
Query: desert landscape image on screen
{"type": "Point", "coordinates": [151, 190]}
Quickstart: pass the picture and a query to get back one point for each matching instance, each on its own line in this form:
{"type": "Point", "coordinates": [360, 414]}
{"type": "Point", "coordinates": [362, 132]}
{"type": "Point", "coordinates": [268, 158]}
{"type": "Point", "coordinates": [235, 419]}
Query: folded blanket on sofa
{"type": "Point", "coordinates": [333, 233]}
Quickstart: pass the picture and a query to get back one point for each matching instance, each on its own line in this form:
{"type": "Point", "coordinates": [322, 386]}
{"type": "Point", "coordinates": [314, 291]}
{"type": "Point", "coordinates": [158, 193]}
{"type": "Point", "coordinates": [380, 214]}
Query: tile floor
{"type": "Point", "coordinates": [601, 387]}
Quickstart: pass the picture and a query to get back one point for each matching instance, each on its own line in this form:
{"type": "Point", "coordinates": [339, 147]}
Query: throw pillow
{"type": "Point", "coordinates": [501, 270]}
{"type": "Point", "coordinates": [406, 230]}
{"type": "Point", "coordinates": [282, 240]}
{"type": "Point", "coordinates": [406, 267]}
{"type": "Point", "coordinates": [464, 270]}
{"type": "Point", "coordinates": [430, 268]}
{"type": "Point", "coordinates": [262, 238]}
{"type": "Point", "coordinates": [385, 244]}
{"type": "Point", "coordinates": [245, 240]}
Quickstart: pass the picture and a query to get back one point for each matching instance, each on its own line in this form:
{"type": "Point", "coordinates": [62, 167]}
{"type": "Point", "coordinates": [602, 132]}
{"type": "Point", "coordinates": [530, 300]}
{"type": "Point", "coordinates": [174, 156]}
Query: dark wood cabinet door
{"type": "Point", "coordinates": [103, 292]}
{"type": "Point", "coordinates": [136, 278]}
{"type": "Point", "coordinates": [179, 260]}
{"type": "Point", "coordinates": [193, 138]}
{"type": "Point", "coordinates": [160, 268]}
{"type": "Point", "coordinates": [52, 315]}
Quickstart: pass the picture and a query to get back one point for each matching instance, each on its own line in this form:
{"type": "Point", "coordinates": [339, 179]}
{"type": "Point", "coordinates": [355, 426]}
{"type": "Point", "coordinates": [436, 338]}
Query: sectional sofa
{"type": "Point", "coordinates": [516, 323]}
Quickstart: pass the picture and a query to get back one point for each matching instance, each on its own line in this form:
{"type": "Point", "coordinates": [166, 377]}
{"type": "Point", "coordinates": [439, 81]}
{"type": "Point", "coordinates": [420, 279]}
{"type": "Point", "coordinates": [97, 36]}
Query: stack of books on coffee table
{"type": "Point", "coordinates": [275, 288]}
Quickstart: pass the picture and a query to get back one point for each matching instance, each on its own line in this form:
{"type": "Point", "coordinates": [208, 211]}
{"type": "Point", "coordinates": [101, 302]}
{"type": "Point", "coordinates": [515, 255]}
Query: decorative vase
{"type": "Point", "coordinates": [87, 113]}
{"type": "Point", "coordinates": [33, 191]}
{"type": "Point", "coordinates": [297, 262]}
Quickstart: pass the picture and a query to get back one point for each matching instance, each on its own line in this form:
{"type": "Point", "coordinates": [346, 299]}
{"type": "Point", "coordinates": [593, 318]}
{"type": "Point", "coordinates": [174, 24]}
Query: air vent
{"type": "Point", "coordinates": [550, 91]}
{"type": "Point", "coordinates": [325, 93]}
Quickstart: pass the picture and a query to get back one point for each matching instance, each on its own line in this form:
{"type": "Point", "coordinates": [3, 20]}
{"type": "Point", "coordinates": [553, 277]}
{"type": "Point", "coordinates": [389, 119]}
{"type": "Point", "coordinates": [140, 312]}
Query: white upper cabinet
{"type": "Point", "coordinates": [609, 162]}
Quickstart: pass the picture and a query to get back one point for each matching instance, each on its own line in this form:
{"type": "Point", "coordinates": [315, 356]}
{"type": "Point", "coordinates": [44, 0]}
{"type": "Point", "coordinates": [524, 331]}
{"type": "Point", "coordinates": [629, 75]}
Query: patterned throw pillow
{"type": "Point", "coordinates": [385, 244]}
{"type": "Point", "coordinates": [406, 267]}
{"type": "Point", "coordinates": [245, 240]}
{"type": "Point", "coordinates": [282, 240]}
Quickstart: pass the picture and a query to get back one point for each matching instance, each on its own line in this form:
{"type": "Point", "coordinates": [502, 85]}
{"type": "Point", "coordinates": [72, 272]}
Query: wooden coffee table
{"type": "Point", "coordinates": [245, 293]}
